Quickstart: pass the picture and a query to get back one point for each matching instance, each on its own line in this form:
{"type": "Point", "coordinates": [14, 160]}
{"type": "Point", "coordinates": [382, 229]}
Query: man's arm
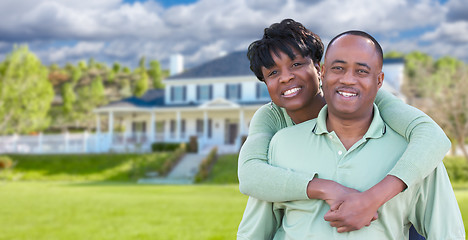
{"type": "Point", "coordinates": [436, 214]}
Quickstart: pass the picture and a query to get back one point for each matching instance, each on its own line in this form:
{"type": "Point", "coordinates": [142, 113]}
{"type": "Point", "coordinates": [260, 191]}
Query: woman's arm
{"type": "Point", "coordinates": [256, 177]}
{"type": "Point", "coordinates": [427, 145]}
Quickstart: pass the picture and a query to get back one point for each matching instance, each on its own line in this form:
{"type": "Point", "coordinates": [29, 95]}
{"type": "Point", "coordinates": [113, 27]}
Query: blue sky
{"type": "Point", "coordinates": [61, 31]}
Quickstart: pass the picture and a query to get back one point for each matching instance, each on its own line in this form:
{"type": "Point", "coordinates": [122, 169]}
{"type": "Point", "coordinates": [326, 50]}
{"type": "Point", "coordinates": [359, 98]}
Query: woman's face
{"type": "Point", "coordinates": [292, 84]}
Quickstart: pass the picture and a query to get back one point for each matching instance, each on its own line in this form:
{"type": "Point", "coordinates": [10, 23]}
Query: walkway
{"type": "Point", "coordinates": [183, 173]}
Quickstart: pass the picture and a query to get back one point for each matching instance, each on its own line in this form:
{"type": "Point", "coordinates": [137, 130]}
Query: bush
{"type": "Point", "coordinates": [457, 168]}
{"type": "Point", "coordinates": [206, 165]}
{"type": "Point", "coordinates": [173, 160]}
{"type": "Point", "coordinates": [164, 147]}
{"type": "Point", "coordinates": [5, 162]}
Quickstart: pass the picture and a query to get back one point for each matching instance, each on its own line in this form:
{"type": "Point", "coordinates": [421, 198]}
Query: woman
{"type": "Point", "coordinates": [293, 85]}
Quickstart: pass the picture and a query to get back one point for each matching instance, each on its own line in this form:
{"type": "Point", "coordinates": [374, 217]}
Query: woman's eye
{"type": "Point", "coordinates": [297, 64]}
{"type": "Point", "coordinates": [272, 73]}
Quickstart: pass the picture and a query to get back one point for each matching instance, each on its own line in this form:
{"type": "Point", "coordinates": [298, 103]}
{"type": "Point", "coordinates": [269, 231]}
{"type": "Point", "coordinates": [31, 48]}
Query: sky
{"type": "Point", "coordinates": [67, 31]}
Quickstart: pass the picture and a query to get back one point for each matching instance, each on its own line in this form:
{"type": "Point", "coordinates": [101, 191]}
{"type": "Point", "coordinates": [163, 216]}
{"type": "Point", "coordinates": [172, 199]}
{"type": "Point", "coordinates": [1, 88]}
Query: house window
{"type": "Point", "coordinates": [138, 127]}
{"type": "Point", "coordinates": [182, 128]}
{"type": "Point", "coordinates": [172, 127]}
{"type": "Point", "coordinates": [233, 91]}
{"type": "Point", "coordinates": [200, 127]}
{"type": "Point", "coordinates": [262, 91]}
{"type": "Point", "coordinates": [178, 93]}
{"type": "Point", "coordinates": [204, 92]}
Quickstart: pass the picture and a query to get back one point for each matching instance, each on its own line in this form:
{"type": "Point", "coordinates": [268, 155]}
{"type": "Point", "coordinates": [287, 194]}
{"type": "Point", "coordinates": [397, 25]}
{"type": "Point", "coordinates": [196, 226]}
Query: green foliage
{"type": "Point", "coordinates": [155, 74]}
{"type": "Point", "coordinates": [25, 93]}
{"type": "Point", "coordinates": [164, 147]}
{"type": "Point", "coordinates": [5, 162]}
{"type": "Point", "coordinates": [69, 98]}
{"type": "Point", "coordinates": [173, 160]}
{"type": "Point", "coordinates": [393, 54]}
{"type": "Point", "coordinates": [116, 67]}
{"type": "Point", "coordinates": [206, 166]}
{"type": "Point", "coordinates": [141, 85]}
{"type": "Point", "coordinates": [457, 168]}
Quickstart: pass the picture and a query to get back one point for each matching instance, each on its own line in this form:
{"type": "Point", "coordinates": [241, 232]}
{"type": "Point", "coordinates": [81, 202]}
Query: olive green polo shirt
{"type": "Point", "coordinates": [310, 149]}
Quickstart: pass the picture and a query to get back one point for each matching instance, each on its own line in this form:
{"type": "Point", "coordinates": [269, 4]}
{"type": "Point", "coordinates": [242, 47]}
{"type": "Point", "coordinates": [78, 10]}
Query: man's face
{"type": "Point", "coordinates": [292, 84]}
{"type": "Point", "coordinates": [352, 75]}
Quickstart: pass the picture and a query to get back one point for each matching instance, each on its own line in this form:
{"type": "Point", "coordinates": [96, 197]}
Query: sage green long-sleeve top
{"type": "Point", "coordinates": [427, 146]}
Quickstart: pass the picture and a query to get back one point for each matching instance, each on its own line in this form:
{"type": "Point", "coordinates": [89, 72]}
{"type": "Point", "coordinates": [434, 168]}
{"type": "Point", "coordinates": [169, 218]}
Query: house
{"type": "Point", "coordinates": [213, 103]}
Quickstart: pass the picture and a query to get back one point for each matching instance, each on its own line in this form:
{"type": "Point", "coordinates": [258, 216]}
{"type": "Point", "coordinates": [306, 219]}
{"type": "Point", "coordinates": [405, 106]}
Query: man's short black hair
{"type": "Point", "coordinates": [378, 48]}
{"type": "Point", "coordinates": [282, 37]}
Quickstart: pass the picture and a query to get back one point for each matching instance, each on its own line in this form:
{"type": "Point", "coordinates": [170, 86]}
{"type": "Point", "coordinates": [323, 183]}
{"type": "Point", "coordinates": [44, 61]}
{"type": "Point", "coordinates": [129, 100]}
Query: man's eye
{"type": "Point", "coordinates": [362, 71]}
{"type": "Point", "coordinates": [337, 68]}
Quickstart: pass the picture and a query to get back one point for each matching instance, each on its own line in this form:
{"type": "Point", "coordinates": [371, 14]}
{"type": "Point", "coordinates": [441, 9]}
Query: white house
{"type": "Point", "coordinates": [213, 102]}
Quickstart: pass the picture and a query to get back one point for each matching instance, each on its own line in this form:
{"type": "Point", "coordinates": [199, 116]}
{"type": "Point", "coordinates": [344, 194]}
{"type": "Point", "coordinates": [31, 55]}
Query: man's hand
{"type": "Point", "coordinates": [355, 211]}
{"type": "Point", "coordinates": [349, 209]}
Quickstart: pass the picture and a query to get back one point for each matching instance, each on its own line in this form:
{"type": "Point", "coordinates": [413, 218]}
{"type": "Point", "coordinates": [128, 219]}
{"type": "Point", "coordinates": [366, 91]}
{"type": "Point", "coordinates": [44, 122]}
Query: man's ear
{"type": "Point", "coordinates": [380, 79]}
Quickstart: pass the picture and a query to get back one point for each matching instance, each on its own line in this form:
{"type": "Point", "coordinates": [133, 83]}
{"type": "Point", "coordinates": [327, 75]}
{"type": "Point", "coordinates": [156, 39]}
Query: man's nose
{"type": "Point", "coordinates": [348, 78]}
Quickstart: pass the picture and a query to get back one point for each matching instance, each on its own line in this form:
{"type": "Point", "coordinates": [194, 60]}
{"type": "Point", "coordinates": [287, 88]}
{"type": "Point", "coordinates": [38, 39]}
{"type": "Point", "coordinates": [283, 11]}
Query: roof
{"type": "Point", "coordinates": [152, 98]}
{"type": "Point", "coordinates": [233, 64]}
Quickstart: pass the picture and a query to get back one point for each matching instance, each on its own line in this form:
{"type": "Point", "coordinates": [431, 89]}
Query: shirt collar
{"type": "Point", "coordinates": [376, 129]}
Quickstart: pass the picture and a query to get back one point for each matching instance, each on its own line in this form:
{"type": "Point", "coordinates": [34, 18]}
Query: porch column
{"type": "Point", "coordinates": [97, 137]}
{"type": "Point", "coordinates": [205, 126]}
{"type": "Point", "coordinates": [111, 127]}
{"type": "Point", "coordinates": [241, 122]}
{"type": "Point", "coordinates": [151, 127]}
{"type": "Point", "coordinates": [178, 126]}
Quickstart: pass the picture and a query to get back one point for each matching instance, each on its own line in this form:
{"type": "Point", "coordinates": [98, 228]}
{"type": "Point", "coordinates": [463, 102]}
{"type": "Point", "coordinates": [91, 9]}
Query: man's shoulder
{"type": "Point", "coordinates": [298, 130]}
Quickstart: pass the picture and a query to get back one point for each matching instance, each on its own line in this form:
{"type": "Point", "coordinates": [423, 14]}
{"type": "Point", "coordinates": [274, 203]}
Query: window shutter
{"type": "Point", "coordinates": [227, 91]}
{"type": "Point", "coordinates": [239, 91]}
{"type": "Point", "coordinates": [209, 127]}
{"type": "Point", "coordinates": [184, 93]}
{"type": "Point", "coordinates": [198, 93]}
{"type": "Point", "coordinates": [211, 92]}
{"type": "Point", "coordinates": [258, 90]}
{"type": "Point", "coordinates": [172, 93]}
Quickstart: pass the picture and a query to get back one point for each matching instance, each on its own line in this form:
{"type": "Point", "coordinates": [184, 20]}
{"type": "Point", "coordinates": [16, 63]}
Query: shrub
{"type": "Point", "coordinates": [173, 160]}
{"type": "Point", "coordinates": [457, 168]}
{"type": "Point", "coordinates": [164, 147]}
{"type": "Point", "coordinates": [5, 162]}
{"type": "Point", "coordinates": [206, 165]}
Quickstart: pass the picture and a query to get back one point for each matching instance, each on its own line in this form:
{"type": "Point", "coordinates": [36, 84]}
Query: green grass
{"type": "Point", "coordinates": [57, 210]}
{"type": "Point", "coordinates": [61, 210]}
{"type": "Point", "coordinates": [225, 170]}
{"type": "Point", "coordinates": [92, 167]}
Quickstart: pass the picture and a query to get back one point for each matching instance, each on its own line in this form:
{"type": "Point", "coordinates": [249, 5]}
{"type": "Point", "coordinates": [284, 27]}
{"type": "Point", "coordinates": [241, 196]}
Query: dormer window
{"type": "Point", "coordinates": [233, 91]}
{"type": "Point", "coordinates": [262, 91]}
{"type": "Point", "coordinates": [178, 93]}
{"type": "Point", "coordinates": [204, 92]}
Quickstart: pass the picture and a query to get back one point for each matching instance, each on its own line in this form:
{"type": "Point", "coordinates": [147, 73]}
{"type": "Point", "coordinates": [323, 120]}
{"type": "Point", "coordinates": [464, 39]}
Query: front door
{"type": "Point", "coordinates": [233, 129]}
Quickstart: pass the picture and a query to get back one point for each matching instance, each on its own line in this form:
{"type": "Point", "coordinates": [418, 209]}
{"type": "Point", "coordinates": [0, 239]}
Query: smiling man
{"type": "Point", "coordinates": [353, 146]}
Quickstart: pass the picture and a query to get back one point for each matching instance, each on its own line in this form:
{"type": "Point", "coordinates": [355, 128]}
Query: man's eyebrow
{"type": "Point", "coordinates": [338, 61]}
{"type": "Point", "coordinates": [363, 65]}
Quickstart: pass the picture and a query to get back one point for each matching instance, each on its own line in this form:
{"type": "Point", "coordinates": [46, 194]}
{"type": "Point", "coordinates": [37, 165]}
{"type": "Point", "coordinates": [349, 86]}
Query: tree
{"type": "Point", "coordinates": [155, 74]}
{"type": "Point", "coordinates": [25, 93]}
{"type": "Point", "coordinates": [451, 100]}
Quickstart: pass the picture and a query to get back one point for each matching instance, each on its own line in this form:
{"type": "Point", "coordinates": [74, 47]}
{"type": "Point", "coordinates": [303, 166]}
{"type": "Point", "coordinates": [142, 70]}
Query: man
{"type": "Point", "coordinates": [353, 146]}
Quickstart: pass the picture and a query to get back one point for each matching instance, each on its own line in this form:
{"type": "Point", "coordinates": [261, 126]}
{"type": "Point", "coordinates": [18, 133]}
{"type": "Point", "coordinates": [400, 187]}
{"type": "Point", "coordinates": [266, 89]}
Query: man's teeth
{"type": "Point", "coordinates": [347, 94]}
{"type": "Point", "coordinates": [291, 91]}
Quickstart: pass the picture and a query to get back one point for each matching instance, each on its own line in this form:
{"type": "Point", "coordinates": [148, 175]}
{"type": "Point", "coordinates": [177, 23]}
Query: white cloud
{"type": "Point", "coordinates": [115, 31]}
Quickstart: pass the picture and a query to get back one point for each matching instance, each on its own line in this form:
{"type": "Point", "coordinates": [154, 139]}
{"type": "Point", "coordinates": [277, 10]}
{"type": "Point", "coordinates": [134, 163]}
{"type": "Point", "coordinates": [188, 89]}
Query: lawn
{"type": "Point", "coordinates": [61, 210]}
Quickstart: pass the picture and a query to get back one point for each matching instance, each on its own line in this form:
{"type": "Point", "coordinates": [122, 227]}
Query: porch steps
{"type": "Point", "coordinates": [183, 173]}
